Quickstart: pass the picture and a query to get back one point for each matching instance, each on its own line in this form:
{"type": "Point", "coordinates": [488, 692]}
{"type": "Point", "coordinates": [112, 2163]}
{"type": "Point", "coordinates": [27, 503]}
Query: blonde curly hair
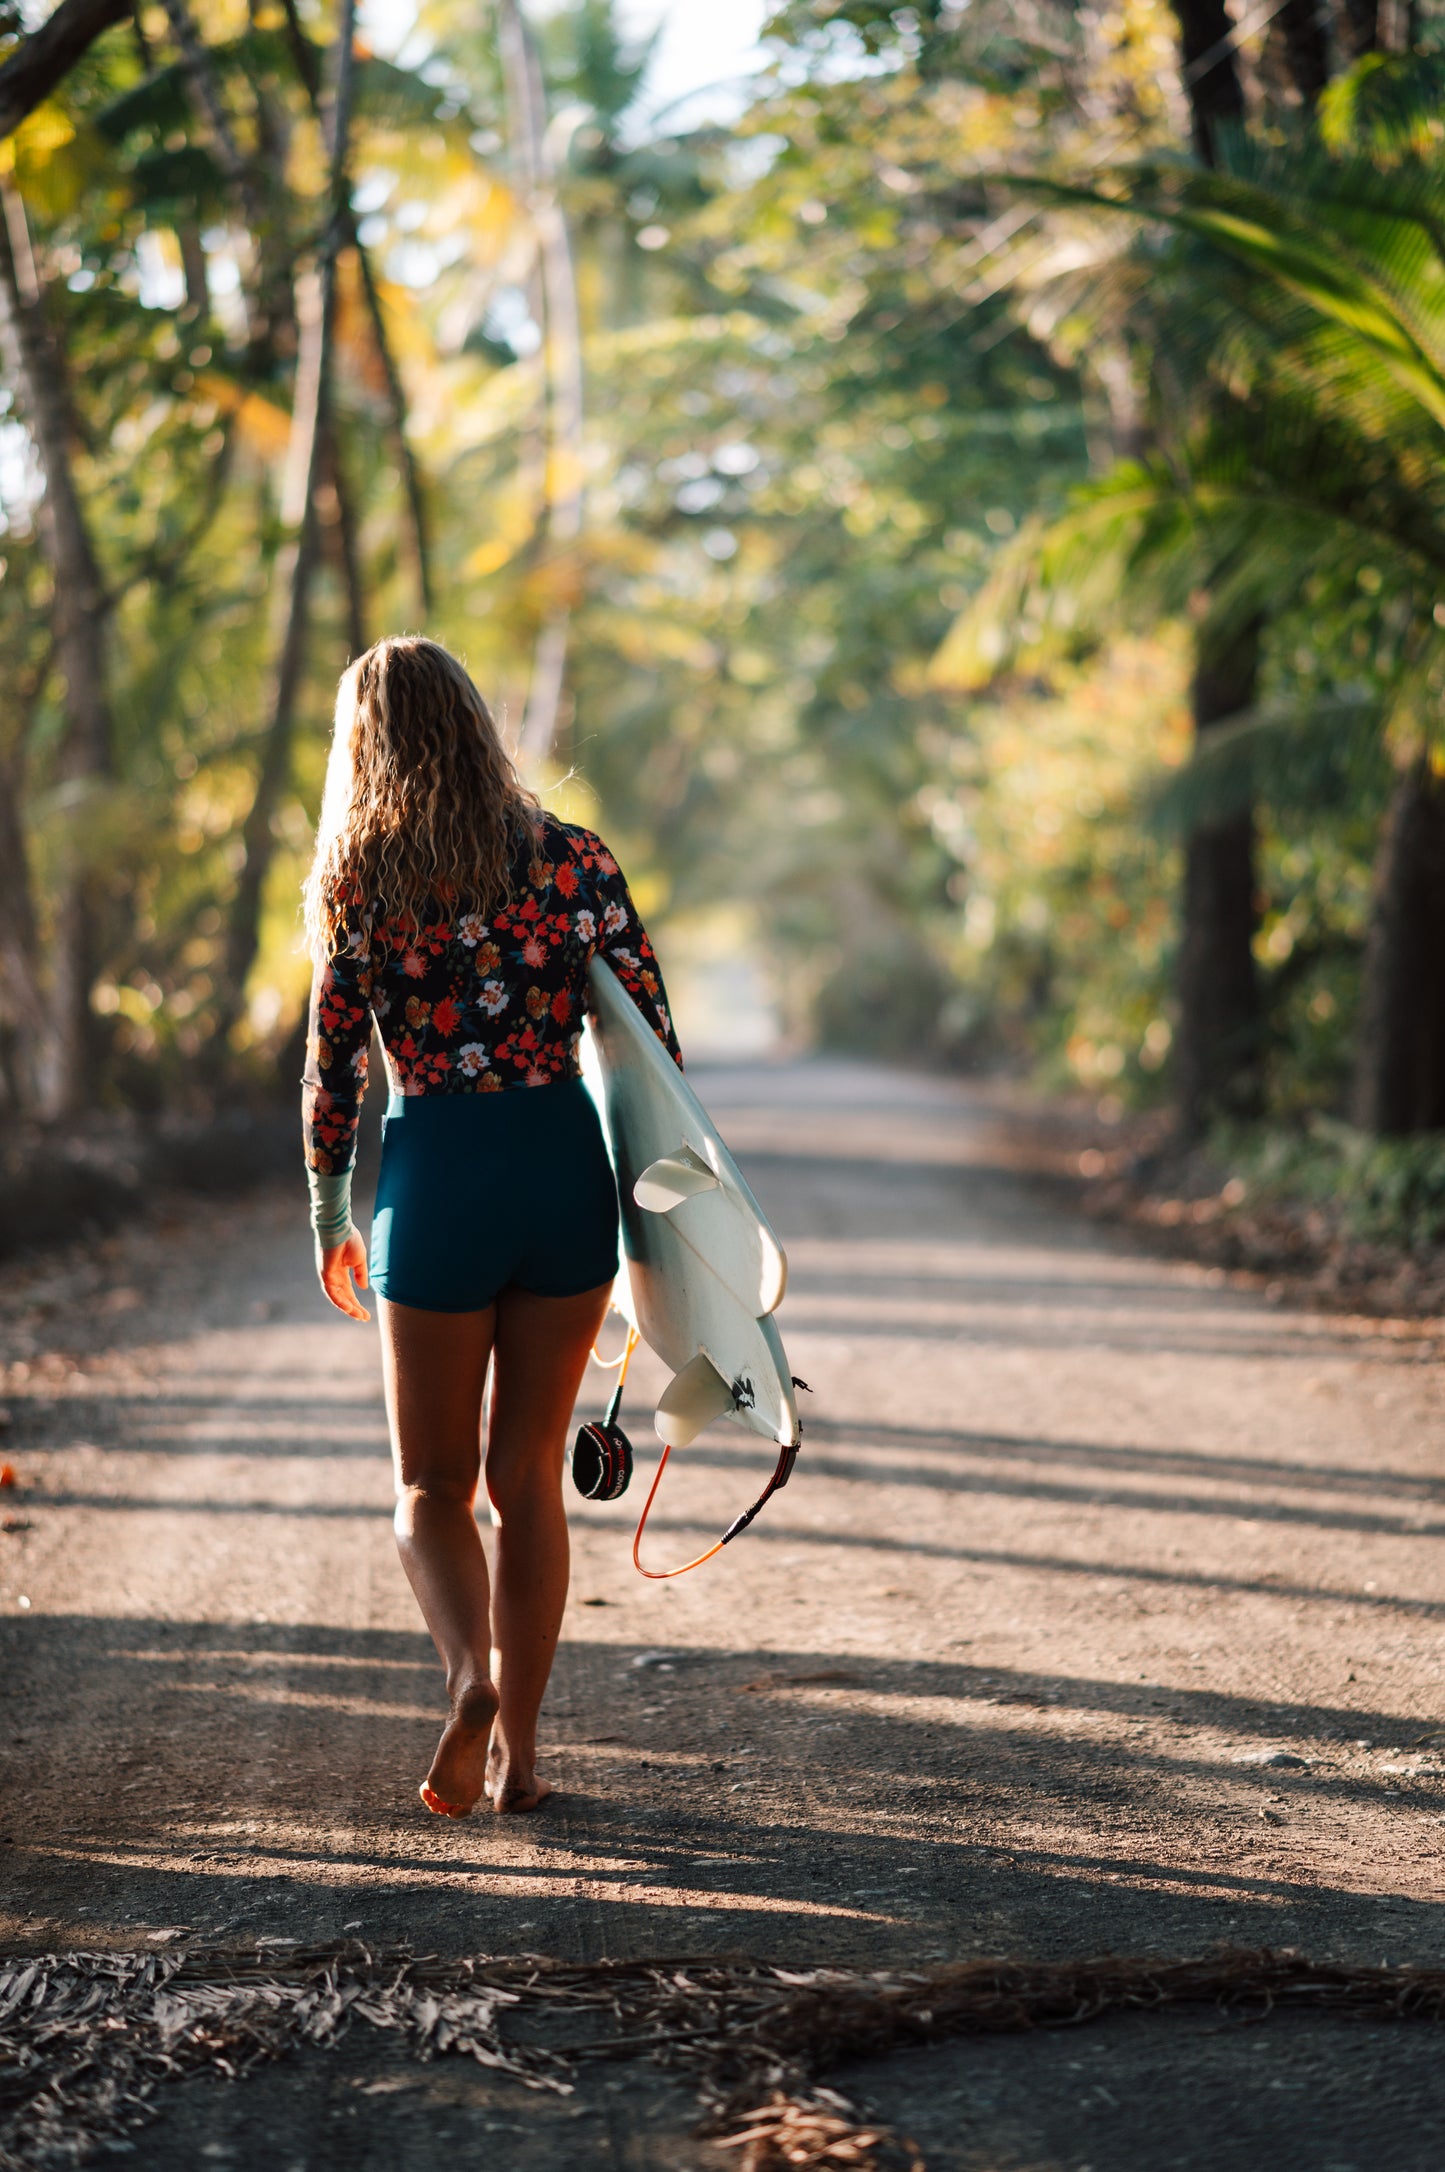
{"type": "Point", "coordinates": [422, 800]}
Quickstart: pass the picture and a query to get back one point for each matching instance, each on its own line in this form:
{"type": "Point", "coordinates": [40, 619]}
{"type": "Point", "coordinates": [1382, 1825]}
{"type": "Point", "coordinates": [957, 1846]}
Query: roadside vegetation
{"type": "Point", "coordinates": [970, 528]}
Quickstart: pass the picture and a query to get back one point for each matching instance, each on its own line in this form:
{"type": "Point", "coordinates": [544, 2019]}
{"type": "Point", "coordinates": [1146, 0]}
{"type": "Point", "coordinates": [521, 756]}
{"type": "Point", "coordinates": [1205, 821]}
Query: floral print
{"type": "Point", "coordinates": [468, 1004]}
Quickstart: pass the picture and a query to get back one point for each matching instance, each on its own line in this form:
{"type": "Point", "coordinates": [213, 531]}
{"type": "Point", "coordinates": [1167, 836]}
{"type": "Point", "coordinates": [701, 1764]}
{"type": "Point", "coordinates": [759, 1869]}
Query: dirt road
{"type": "Point", "coordinates": [1103, 1612]}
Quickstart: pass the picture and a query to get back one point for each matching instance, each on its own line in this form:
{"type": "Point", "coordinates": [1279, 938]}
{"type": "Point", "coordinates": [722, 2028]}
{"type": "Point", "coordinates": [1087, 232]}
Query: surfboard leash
{"type": "Point", "coordinates": [602, 1453]}
{"type": "Point", "coordinates": [623, 1358]}
{"type": "Point", "coordinates": [602, 1466]}
{"type": "Point", "coordinates": [779, 1479]}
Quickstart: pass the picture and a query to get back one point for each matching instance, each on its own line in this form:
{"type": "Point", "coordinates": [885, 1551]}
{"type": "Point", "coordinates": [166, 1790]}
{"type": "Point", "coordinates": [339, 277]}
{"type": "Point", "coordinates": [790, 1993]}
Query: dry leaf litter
{"type": "Point", "coordinates": [87, 2039]}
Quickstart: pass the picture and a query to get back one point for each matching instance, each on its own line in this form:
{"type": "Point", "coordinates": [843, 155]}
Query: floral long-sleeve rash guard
{"type": "Point", "coordinates": [476, 1003]}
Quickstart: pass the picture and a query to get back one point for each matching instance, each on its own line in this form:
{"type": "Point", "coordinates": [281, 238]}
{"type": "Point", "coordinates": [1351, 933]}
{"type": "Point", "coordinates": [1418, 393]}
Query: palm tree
{"type": "Point", "coordinates": [1296, 322]}
{"type": "Point", "coordinates": [61, 1054]}
{"type": "Point", "coordinates": [294, 573]}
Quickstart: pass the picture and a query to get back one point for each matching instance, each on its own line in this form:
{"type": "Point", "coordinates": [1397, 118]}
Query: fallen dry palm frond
{"type": "Point", "coordinates": [784, 2132]}
{"type": "Point", "coordinates": [87, 2039]}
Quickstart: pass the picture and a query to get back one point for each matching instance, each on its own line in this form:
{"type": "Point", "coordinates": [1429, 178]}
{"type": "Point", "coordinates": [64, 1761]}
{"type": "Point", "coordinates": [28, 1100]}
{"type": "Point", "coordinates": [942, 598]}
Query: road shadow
{"type": "Point", "coordinates": [264, 1781]}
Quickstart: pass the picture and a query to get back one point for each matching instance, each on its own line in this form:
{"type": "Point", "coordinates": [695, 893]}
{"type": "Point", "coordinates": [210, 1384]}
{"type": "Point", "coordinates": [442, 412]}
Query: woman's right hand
{"type": "Point", "coordinates": [336, 1264]}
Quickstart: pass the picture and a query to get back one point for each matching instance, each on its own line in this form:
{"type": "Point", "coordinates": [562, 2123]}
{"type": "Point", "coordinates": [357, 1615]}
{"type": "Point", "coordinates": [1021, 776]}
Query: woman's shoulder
{"type": "Point", "coordinates": [570, 841]}
{"type": "Point", "coordinates": [350, 921]}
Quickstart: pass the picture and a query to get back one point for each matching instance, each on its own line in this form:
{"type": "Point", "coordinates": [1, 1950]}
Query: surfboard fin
{"type": "Point", "coordinates": [665, 1184]}
{"type": "Point", "coordinates": [691, 1400]}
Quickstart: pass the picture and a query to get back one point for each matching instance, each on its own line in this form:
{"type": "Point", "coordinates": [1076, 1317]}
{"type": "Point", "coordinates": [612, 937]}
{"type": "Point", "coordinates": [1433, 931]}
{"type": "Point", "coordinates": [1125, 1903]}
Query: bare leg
{"type": "Point", "coordinates": [541, 1354]}
{"type": "Point", "coordinates": [435, 1369]}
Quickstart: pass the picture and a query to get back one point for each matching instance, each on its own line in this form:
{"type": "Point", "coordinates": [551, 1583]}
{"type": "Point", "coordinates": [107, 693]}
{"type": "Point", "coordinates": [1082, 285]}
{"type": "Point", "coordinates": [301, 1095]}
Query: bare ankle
{"type": "Point", "coordinates": [513, 1781]}
{"type": "Point", "coordinates": [515, 1750]}
{"type": "Point", "coordinates": [473, 1699]}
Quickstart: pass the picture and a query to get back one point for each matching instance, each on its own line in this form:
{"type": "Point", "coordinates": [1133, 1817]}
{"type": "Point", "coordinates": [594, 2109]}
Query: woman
{"type": "Point", "coordinates": [446, 905]}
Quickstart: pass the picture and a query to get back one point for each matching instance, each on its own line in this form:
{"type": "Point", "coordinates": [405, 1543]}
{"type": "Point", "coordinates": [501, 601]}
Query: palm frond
{"type": "Point", "coordinates": [1264, 233]}
{"type": "Point", "coordinates": [1325, 754]}
{"type": "Point", "coordinates": [1126, 546]}
{"type": "Point", "coordinates": [1389, 104]}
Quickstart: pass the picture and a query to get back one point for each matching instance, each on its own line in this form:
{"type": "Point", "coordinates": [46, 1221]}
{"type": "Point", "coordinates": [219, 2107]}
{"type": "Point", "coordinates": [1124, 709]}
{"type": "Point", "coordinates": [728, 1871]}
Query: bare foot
{"type": "Point", "coordinates": [458, 1773]}
{"type": "Point", "coordinates": [512, 1786]}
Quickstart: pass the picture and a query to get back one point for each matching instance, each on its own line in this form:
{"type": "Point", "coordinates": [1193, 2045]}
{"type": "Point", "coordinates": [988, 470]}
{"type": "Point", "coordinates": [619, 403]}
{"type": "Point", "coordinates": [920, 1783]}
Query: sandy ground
{"type": "Point", "coordinates": [1102, 1613]}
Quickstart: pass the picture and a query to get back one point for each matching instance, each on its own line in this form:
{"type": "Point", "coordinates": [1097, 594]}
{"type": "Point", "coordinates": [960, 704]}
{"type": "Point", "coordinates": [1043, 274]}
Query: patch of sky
{"type": "Point", "coordinates": [702, 64]}
{"type": "Point", "coordinates": [735, 459]}
{"type": "Point", "coordinates": [160, 281]}
{"type": "Point", "coordinates": [701, 496]}
{"type": "Point", "coordinates": [20, 479]}
{"type": "Point", "coordinates": [509, 320]}
{"type": "Point", "coordinates": [372, 191]}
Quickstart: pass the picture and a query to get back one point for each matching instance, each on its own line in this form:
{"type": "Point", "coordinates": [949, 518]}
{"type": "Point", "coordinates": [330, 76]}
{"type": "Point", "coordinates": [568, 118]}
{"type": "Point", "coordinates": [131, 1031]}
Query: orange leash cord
{"type": "Point", "coordinates": [660, 1576]}
{"type": "Point", "coordinates": [779, 1478]}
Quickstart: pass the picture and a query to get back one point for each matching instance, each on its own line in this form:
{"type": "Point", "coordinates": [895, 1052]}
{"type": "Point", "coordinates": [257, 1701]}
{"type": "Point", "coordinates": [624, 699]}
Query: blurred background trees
{"type": "Point", "coordinates": [969, 527]}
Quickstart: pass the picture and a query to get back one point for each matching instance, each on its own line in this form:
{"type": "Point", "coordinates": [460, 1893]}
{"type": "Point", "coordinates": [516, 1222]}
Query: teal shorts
{"type": "Point", "coordinates": [481, 1191]}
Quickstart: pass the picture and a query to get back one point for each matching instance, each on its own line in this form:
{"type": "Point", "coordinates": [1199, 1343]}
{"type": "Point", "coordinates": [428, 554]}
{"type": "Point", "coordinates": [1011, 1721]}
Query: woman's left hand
{"type": "Point", "coordinates": [336, 1264]}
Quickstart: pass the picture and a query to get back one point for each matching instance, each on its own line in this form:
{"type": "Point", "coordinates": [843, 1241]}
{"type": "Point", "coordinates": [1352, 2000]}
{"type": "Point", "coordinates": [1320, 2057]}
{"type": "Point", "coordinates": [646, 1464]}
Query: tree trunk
{"type": "Point", "coordinates": [405, 458]}
{"type": "Point", "coordinates": [210, 109]}
{"type": "Point", "coordinates": [1217, 1052]}
{"type": "Point", "coordinates": [1218, 1048]}
{"type": "Point", "coordinates": [1400, 1066]}
{"type": "Point", "coordinates": [78, 614]}
{"type": "Point", "coordinates": [295, 567]}
{"type": "Point", "coordinates": [206, 94]}
{"type": "Point", "coordinates": [24, 1017]}
{"type": "Point", "coordinates": [561, 358]}
{"type": "Point", "coordinates": [1211, 73]}
{"type": "Point", "coordinates": [193, 265]}
{"type": "Point", "coordinates": [1363, 20]}
{"type": "Point", "coordinates": [33, 71]}
{"type": "Point", "coordinates": [1304, 28]}
{"type": "Point", "coordinates": [338, 518]}
{"type": "Point", "coordinates": [308, 68]}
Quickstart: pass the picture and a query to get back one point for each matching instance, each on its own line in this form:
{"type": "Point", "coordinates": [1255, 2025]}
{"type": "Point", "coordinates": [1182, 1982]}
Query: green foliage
{"type": "Point", "coordinates": [590, 60]}
{"type": "Point", "coordinates": [1379, 1190]}
{"type": "Point", "coordinates": [1288, 318]}
{"type": "Point", "coordinates": [923, 406]}
{"type": "Point", "coordinates": [1064, 951]}
{"type": "Point", "coordinates": [1322, 757]}
{"type": "Point", "coordinates": [1307, 337]}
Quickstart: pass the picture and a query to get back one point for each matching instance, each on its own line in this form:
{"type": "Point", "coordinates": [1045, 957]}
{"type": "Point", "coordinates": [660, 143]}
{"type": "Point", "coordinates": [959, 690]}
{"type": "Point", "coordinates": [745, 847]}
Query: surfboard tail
{"type": "Point", "coordinates": [691, 1400]}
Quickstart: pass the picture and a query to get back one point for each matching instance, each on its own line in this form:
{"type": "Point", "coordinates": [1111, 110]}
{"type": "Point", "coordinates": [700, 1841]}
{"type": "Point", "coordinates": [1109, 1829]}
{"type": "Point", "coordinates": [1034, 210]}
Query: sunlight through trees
{"type": "Point", "coordinates": [972, 524]}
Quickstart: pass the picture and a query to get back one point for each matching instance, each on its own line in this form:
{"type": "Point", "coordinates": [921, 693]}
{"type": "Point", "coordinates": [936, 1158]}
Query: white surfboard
{"type": "Point", "coordinates": [702, 1271]}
